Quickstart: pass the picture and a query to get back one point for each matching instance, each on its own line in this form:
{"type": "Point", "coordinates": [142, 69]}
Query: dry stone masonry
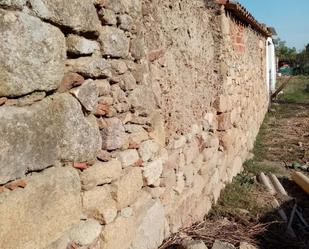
{"type": "Point", "coordinates": [121, 120]}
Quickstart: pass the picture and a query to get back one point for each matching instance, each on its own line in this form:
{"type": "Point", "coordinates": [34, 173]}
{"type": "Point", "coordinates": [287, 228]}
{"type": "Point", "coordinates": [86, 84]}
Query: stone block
{"type": "Point", "coordinates": [118, 234]}
{"type": "Point", "coordinates": [100, 173]}
{"type": "Point", "coordinates": [13, 3]}
{"type": "Point", "coordinates": [113, 135]}
{"type": "Point", "coordinates": [103, 87]}
{"type": "Point", "coordinates": [142, 92]}
{"type": "Point", "coordinates": [148, 150]}
{"type": "Point", "coordinates": [99, 204]}
{"type": "Point", "coordinates": [150, 231]}
{"type": "Point", "coordinates": [36, 136]}
{"type": "Point", "coordinates": [81, 16]}
{"type": "Point", "coordinates": [87, 95]}
{"type": "Point", "coordinates": [126, 189]}
{"type": "Point", "coordinates": [26, 43]}
{"type": "Point", "coordinates": [81, 46]}
{"type": "Point", "coordinates": [79, 137]}
{"type": "Point", "coordinates": [53, 193]}
{"type": "Point", "coordinates": [114, 42]}
{"type": "Point", "coordinates": [128, 157]}
{"type": "Point", "coordinates": [90, 67]}
{"type": "Point", "coordinates": [224, 121]}
{"type": "Point", "coordinates": [152, 171]}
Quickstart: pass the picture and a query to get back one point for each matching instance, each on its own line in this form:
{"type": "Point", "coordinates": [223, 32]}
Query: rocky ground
{"type": "Point", "coordinates": [244, 216]}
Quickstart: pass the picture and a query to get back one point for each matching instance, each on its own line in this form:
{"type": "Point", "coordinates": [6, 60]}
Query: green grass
{"type": "Point", "coordinates": [241, 199]}
{"type": "Point", "coordinates": [255, 168]}
{"type": "Point", "coordinates": [297, 91]}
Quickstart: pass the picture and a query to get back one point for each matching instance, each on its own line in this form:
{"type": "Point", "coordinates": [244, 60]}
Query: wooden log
{"type": "Point", "coordinates": [301, 180]}
{"type": "Point", "coordinates": [278, 186]}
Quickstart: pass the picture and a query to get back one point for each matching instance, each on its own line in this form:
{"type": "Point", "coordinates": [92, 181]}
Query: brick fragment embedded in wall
{"type": "Point", "coordinates": [238, 37]}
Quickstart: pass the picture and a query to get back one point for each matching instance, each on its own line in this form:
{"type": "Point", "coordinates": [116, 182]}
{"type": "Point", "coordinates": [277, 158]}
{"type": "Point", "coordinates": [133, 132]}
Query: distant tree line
{"type": "Point", "coordinates": [298, 61]}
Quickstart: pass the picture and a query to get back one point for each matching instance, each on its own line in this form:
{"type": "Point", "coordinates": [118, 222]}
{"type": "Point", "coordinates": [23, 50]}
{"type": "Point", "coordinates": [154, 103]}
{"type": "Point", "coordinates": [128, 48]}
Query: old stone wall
{"type": "Point", "coordinates": [121, 120]}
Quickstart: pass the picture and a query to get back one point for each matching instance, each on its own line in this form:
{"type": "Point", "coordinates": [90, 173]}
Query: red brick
{"type": "Point", "coordinates": [80, 166]}
{"type": "Point", "coordinates": [16, 184]}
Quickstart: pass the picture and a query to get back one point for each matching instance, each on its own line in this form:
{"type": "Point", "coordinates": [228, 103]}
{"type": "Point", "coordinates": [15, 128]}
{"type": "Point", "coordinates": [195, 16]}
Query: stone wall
{"type": "Point", "coordinates": [121, 120]}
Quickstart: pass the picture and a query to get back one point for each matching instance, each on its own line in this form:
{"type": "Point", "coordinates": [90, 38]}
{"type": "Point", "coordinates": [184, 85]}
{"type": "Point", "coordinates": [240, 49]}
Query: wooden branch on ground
{"type": "Point", "coordinates": [284, 84]}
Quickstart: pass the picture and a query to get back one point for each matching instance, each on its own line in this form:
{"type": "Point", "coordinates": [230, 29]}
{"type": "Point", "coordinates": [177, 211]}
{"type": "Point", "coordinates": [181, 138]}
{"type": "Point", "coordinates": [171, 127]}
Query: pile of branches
{"type": "Point", "coordinates": [223, 230]}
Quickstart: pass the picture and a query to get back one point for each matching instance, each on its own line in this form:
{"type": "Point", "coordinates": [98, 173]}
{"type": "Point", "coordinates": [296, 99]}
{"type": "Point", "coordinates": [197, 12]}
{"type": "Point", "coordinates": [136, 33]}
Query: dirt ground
{"type": "Point", "coordinates": [244, 211]}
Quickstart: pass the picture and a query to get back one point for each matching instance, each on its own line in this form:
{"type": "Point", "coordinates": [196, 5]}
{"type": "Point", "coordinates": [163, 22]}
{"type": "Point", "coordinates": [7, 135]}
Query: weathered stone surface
{"type": "Point", "coordinates": [222, 245]}
{"type": "Point", "coordinates": [28, 140]}
{"type": "Point", "coordinates": [119, 234]}
{"type": "Point", "coordinates": [13, 3]}
{"type": "Point", "coordinates": [98, 204]}
{"type": "Point", "coordinates": [92, 67]}
{"type": "Point", "coordinates": [126, 212]}
{"type": "Point", "coordinates": [224, 121]}
{"type": "Point", "coordinates": [85, 232]}
{"type": "Point", "coordinates": [100, 173]}
{"type": "Point", "coordinates": [114, 42]}
{"type": "Point", "coordinates": [158, 133]}
{"type": "Point", "coordinates": [151, 226]}
{"type": "Point", "coordinates": [119, 66]}
{"type": "Point", "coordinates": [152, 171]}
{"type": "Point", "coordinates": [81, 46]}
{"type": "Point", "coordinates": [113, 135]}
{"type": "Point", "coordinates": [142, 93]}
{"type": "Point", "coordinates": [137, 48]}
{"type": "Point", "coordinates": [26, 44]}
{"type": "Point", "coordinates": [107, 16]}
{"type": "Point", "coordinates": [80, 138]}
{"type": "Point", "coordinates": [87, 94]}
{"type": "Point", "coordinates": [36, 136]}
{"type": "Point", "coordinates": [193, 244]}
{"type": "Point", "coordinates": [69, 81]}
{"type": "Point", "coordinates": [53, 193]}
{"type": "Point", "coordinates": [126, 22]}
{"type": "Point", "coordinates": [103, 87]}
{"type": "Point", "coordinates": [128, 157]}
{"type": "Point", "coordinates": [148, 150]}
{"type": "Point", "coordinates": [126, 189]}
{"type": "Point", "coordinates": [80, 16]}
{"type": "Point", "coordinates": [127, 82]}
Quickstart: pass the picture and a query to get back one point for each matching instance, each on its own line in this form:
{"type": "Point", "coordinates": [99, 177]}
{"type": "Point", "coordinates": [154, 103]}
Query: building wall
{"type": "Point", "coordinates": [121, 121]}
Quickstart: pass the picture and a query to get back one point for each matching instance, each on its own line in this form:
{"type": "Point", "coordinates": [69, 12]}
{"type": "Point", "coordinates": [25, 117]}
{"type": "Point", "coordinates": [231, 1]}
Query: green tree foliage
{"type": "Point", "coordinates": [299, 61]}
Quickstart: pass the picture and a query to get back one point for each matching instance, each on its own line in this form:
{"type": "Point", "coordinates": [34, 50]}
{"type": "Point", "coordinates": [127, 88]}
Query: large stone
{"type": "Point", "coordinates": [152, 171]}
{"type": "Point", "coordinates": [113, 135]}
{"type": "Point", "coordinates": [134, 7]}
{"type": "Point", "coordinates": [148, 150]}
{"type": "Point", "coordinates": [128, 157]}
{"type": "Point", "coordinates": [87, 94]}
{"type": "Point", "coordinates": [114, 42]}
{"type": "Point", "coordinates": [85, 232]}
{"type": "Point", "coordinates": [119, 234]}
{"type": "Point", "coordinates": [98, 203]}
{"type": "Point", "coordinates": [28, 139]}
{"type": "Point", "coordinates": [151, 226]}
{"type": "Point", "coordinates": [126, 189]}
{"type": "Point", "coordinates": [80, 45]}
{"type": "Point", "coordinates": [91, 67]}
{"type": "Point", "coordinates": [80, 138]}
{"type": "Point", "coordinates": [39, 214]}
{"type": "Point", "coordinates": [142, 93]}
{"type": "Point", "coordinates": [80, 16]}
{"type": "Point", "coordinates": [36, 136]}
{"type": "Point", "coordinates": [26, 44]}
{"type": "Point", "coordinates": [13, 3]}
{"type": "Point", "coordinates": [100, 173]}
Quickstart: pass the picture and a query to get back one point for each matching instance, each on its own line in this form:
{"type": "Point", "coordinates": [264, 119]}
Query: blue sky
{"type": "Point", "coordinates": [289, 17]}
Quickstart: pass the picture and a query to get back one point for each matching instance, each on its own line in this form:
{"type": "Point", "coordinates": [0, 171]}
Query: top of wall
{"type": "Point", "coordinates": [241, 13]}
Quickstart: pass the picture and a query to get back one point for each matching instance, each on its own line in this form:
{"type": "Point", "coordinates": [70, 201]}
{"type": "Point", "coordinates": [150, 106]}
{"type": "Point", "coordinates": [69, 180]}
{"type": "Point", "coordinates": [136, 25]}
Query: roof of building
{"type": "Point", "coordinates": [241, 13]}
